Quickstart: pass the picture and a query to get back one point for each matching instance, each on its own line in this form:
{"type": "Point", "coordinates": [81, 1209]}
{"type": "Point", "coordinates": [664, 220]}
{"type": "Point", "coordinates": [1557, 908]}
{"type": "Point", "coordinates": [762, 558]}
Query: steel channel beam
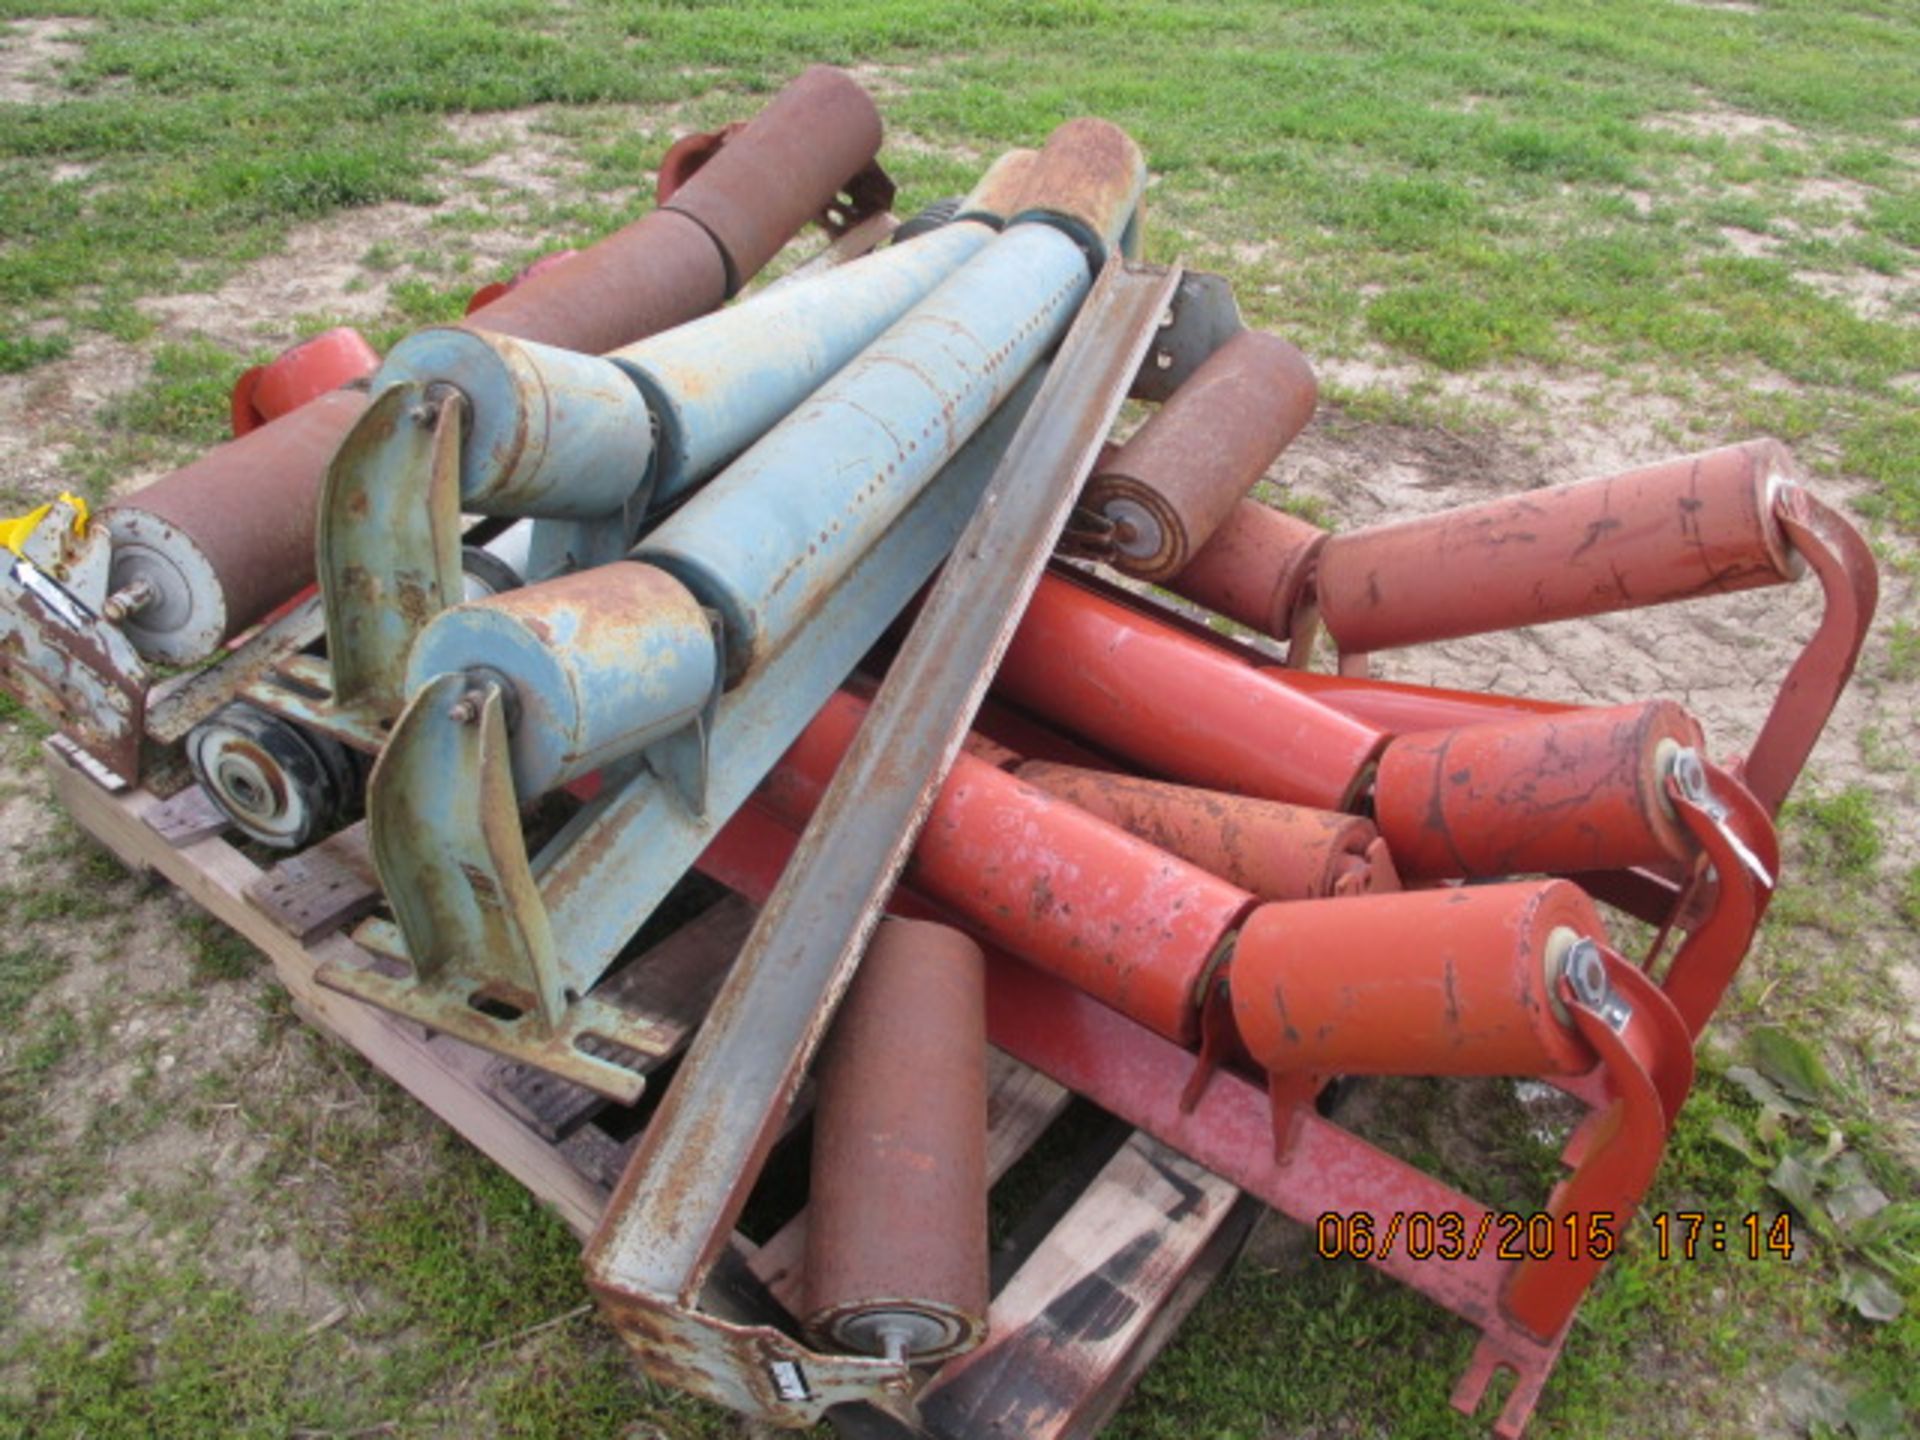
{"type": "Point", "coordinates": [685, 1187]}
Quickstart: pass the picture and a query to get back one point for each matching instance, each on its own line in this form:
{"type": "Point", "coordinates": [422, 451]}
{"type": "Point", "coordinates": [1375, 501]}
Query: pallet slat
{"type": "Point", "coordinates": [1069, 1323]}
{"type": "Point", "coordinates": [323, 889]}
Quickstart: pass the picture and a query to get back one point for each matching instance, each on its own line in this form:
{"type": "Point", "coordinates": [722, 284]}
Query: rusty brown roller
{"type": "Point", "coordinates": [1181, 474]}
{"type": "Point", "coordinates": [754, 192]}
{"type": "Point", "coordinates": [1276, 851]}
{"type": "Point", "coordinates": [1255, 569]}
{"type": "Point", "coordinates": [897, 1218]}
{"type": "Point", "coordinates": [658, 272]}
{"type": "Point", "coordinates": [1700, 525]}
{"type": "Point", "coordinates": [217, 544]}
{"type": "Point", "coordinates": [1087, 179]}
{"type": "Point", "coordinates": [1552, 793]}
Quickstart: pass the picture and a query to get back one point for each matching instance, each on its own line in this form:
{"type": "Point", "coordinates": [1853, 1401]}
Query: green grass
{"type": "Point", "coordinates": [1478, 194]}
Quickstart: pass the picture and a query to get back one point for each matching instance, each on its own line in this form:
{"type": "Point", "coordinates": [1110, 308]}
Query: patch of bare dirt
{"type": "Point", "coordinates": [32, 53]}
{"type": "Point", "coordinates": [1868, 293]}
{"type": "Point", "coordinates": [1846, 195]}
{"type": "Point", "coordinates": [1723, 122]}
{"type": "Point", "coordinates": [886, 82]}
{"type": "Point", "coordinates": [1748, 244]}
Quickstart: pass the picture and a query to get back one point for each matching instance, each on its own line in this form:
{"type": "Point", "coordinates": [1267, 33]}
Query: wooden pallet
{"type": "Point", "coordinates": [1102, 1277]}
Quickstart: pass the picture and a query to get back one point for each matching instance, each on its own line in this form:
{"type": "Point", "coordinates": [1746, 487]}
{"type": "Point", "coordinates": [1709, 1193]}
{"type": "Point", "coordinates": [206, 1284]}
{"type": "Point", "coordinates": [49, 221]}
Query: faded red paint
{"type": "Point", "coordinates": [1255, 569]}
{"type": "Point", "coordinates": [302, 373]}
{"type": "Point", "coordinates": [1062, 889]}
{"type": "Point", "coordinates": [1432, 982]}
{"type": "Point", "coordinates": [1276, 851]}
{"type": "Point", "coordinates": [1553, 794]}
{"type": "Point", "coordinates": [1176, 706]}
{"type": "Point", "coordinates": [1698, 525]}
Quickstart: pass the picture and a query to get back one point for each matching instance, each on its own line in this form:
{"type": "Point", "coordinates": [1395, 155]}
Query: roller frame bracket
{"type": "Point", "coordinates": [72, 665]}
{"type": "Point", "coordinates": [1741, 852]}
{"type": "Point", "coordinates": [1851, 584]}
{"type": "Point", "coordinates": [755, 1370]}
{"type": "Point", "coordinates": [1646, 1070]}
{"type": "Point", "coordinates": [683, 760]}
{"type": "Point", "coordinates": [300, 687]}
{"type": "Point", "coordinates": [1202, 317]}
{"type": "Point", "coordinates": [491, 976]}
{"type": "Point", "coordinates": [389, 547]}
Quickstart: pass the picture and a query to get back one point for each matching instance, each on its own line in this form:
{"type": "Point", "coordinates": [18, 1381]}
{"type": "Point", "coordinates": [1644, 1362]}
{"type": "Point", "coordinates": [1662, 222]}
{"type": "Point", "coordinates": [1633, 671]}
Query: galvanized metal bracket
{"type": "Point", "coordinates": [389, 552]}
{"type": "Point", "coordinates": [488, 964]}
{"type": "Point", "coordinates": [72, 666]}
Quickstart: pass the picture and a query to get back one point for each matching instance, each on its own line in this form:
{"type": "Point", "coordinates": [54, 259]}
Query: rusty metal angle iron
{"type": "Point", "coordinates": [676, 1205]}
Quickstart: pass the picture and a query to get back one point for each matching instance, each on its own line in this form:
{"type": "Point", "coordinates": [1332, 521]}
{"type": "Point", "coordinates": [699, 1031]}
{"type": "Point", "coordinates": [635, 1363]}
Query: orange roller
{"type": "Point", "coordinates": [1395, 708]}
{"type": "Point", "coordinates": [1255, 568]}
{"type": "Point", "coordinates": [1699, 525]}
{"type": "Point", "coordinates": [304, 372]}
{"type": "Point", "coordinates": [1177, 706]}
{"type": "Point", "coordinates": [1064, 890]}
{"type": "Point", "coordinates": [1279, 852]}
{"type": "Point", "coordinates": [1457, 981]}
{"type": "Point", "coordinates": [1581, 790]}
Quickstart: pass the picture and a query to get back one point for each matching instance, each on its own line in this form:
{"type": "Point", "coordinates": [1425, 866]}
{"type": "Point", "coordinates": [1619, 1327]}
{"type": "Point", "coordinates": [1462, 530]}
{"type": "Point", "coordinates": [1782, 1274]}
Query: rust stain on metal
{"type": "Point", "coordinates": [1181, 475]}
{"type": "Point", "coordinates": [1700, 525]}
{"type": "Point", "coordinates": [1556, 794]}
{"type": "Point", "coordinates": [1275, 851]}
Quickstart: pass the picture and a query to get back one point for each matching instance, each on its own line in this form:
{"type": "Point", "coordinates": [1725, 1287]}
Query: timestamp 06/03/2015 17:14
{"type": "Point", "coordinates": [1538, 1235]}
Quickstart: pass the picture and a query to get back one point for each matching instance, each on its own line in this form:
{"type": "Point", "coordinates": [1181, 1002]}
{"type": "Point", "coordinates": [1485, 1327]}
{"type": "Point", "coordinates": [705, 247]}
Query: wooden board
{"type": "Point", "coordinates": [1078, 1314]}
{"type": "Point", "coordinates": [323, 889]}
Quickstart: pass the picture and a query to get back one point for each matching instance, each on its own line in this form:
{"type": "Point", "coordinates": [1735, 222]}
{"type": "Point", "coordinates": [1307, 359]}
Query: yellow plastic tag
{"type": "Point", "coordinates": [14, 533]}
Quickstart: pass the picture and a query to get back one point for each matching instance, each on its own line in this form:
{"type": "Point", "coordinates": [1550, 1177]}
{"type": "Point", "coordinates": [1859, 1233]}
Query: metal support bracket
{"type": "Point", "coordinates": [606, 871]}
{"type": "Point", "coordinates": [1851, 583]}
{"type": "Point", "coordinates": [73, 666]}
{"type": "Point", "coordinates": [389, 546]}
{"type": "Point", "coordinates": [1646, 1065]}
{"type": "Point", "coordinates": [1202, 317]}
{"type": "Point", "coordinates": [490, 965]}
{"type": "Point", "coordinates": [1742, 855]}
